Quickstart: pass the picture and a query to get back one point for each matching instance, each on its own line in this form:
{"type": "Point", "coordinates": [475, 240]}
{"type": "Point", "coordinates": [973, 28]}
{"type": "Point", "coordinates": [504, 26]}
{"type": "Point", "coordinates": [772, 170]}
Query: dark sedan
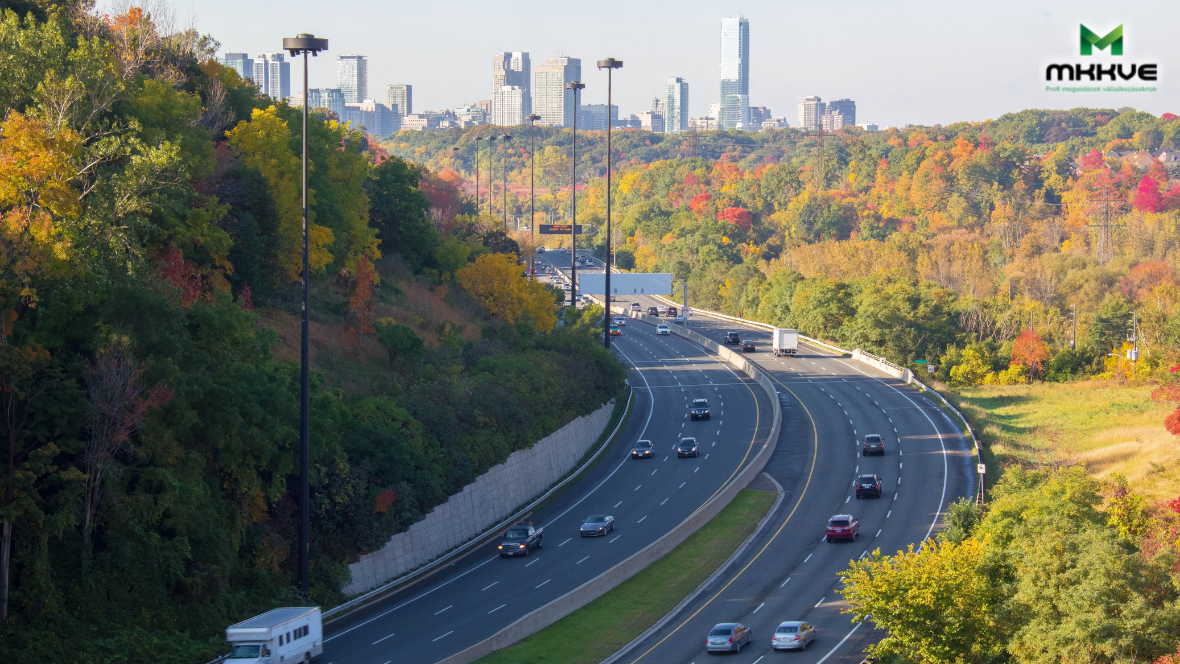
{"type": "Point", "coordinates": [748, 346]}
{"type": "Point", "coordinates": [686, 448]}
{"type": "Point", "coordinates": [597, 525]}
{"type": "Point", "coordinates": [642, 450]}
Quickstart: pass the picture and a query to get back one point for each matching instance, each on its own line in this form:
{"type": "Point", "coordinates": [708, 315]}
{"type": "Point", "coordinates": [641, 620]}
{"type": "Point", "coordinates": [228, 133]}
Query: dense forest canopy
{"type": "Point", "coordinates": [150, 248]}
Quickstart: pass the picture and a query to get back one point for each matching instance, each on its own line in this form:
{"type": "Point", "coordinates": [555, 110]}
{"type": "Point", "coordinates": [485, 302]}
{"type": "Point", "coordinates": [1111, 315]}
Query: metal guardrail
{"type": "Point", "coordinates": [482, 537]}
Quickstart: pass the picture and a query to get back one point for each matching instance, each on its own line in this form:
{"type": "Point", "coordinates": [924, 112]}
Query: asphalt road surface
{"type": "Point", "coordinates": [789, 572]}
{"type": "Point", "coordinates": [481, 593]}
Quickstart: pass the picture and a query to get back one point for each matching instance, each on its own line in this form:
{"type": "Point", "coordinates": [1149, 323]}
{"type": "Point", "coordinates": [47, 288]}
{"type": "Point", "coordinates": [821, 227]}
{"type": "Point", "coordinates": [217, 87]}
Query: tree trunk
{"type": "Point", "coordinates": [5, 557]}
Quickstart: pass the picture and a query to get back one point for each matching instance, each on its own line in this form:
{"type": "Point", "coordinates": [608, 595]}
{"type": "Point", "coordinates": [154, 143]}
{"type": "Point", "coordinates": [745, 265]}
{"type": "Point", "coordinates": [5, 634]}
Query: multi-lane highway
{"type": "Point", "coordinates": [789, 572]}
{"type": "Point", "coordinates": [481, 593]}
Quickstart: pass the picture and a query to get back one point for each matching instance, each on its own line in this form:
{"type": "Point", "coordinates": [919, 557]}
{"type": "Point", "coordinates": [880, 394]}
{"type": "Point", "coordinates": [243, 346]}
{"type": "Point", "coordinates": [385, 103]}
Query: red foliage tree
{"type": "Point", "coordinates": [1169, 394]}
{"type": "Point", "coordinates": [1144, 277]}
{"type": "Point", "coordinates": [1168, 116]}
{"type": "Point", "coordinates": [182, 274]}
{"type": "Point", "coordinates": [1147, 196]}
{"type": "Point", "coordinates": [699, 202]}
{"type": "Point", "coordinates": [1171, 200]}
{"type": "Point", "coordinates": [1030, 352]}
{"type": "Point", "coordinates": [1093, 161]}
{"type": "Point", "coordinates": [738, 217]}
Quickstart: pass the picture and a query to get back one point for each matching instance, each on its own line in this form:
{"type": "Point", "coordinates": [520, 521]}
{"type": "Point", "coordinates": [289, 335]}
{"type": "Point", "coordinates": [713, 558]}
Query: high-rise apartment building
{"type": "Point", "coordinates": [652, 121]}
{"type": "Point", "coordinates": [811, 109]}
{"type": "Point", "coordinates": [735, 73]}
{"type": "Point", "coordinates": [676, 105]}
{"type": "Point", "coordinates": [373, 117]}
{"type": "Point", "coordinates": [833, 120]}
{"type": "Point", "coordinates": [758, 115]}
{"type": "Point", "coordinates": [845, 107]}
{"type": "Point", "coordinates": [508, 105]}
{"type": "Point", "coordinates": [593, 116]}
{"type": "Point", "coordinates": [513, 69]}
{"type": "Point", "coordinates": [273, 75]}
{"type": "Point", "coordinates": [241, 63]}
{"type": "Point", "coordinates": [550, 99]}
{"type": "Point", "coordinates": [400, 97]}
{"type": "Point", "coordinates": [329, 98]}
{"type": "Point", "coordinates": [352, 77]}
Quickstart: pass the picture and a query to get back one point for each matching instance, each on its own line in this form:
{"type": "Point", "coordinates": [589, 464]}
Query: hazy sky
{"type": "Point", "coordinates": [902, 62]}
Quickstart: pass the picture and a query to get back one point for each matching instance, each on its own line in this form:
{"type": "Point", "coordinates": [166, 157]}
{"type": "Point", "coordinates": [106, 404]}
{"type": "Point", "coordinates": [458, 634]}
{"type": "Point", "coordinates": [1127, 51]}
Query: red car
{"type": "Point", "coordinates": [843, 526]}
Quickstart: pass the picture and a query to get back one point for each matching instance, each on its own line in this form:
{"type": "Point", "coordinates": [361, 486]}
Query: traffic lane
{"type": "Point", "coordinates": [809, 583]}
{"type": "Point", "coordinates": [549, 584]}
{"type": "Point", "coordinates": [790, 546]}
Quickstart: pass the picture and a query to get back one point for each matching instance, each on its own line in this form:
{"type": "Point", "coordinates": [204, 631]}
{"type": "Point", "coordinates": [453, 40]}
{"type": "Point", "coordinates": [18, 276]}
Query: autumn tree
{"type": "Point", "coordinates": [496, 282]}
{"type": "Point", "coordinates": [1031, 352]}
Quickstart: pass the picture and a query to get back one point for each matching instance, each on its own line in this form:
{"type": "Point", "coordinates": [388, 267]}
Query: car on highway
{"type": "Point", "coordinates": [597, 525]}
{"type": "Point", "coordinates": [634, 306]}
{"type": "Point", "coordinates": [533, 272]}
{"type": "Point", "coordinates": [873, 444]}
{"type": "Point", "coordinates": [621, 322]}
{"type": "Point", "coordinates": [792, 635]}
{"type": "Point", "coordinates": [540, 250]}
{"type": "Point", "coordinates": [732, 338]}
{"type": "Point", "coordinates": [727, 637]}
{"type": "Point", "coordinates": [615, 331]}
{"type": "Point", "coordinates": [663, 329]}
{"type": "Point", "coordinates": [520, 540]}
{"type": "Point", "coordinates": [686, 448]}
{"type": "Point", "coordinates": [868, 485]}
{"type": "Point", "coordinates": [699, 410]}
{"type": "Point", "coordinates": [662, 310]}
{"type": "Point", "coordinates": [672, 311]}
{"type": "Point", "coordinates": [652, 311]}
{"type": "Point", "coordinates": [679, 320]}
{"type": "Point", "coordinates": [642, 450]}
{"type": "Point", "coordinates": [843, 526]}
{"type": "Point", "coordinates": [748, 346]}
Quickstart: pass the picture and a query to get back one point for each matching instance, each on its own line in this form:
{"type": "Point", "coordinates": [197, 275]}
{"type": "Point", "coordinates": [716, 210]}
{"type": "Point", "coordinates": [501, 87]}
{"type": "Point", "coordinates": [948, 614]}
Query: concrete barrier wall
{"type": "Point", "coordinates": [481, 504]}
{"type": "Point", "coordinates": [880, 364]}
{"type": "Point", "coordinates": [575, 599]}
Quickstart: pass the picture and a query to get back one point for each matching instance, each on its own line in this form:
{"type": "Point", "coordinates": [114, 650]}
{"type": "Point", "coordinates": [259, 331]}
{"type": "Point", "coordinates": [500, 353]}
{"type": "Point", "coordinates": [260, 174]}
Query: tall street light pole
{"type": "Point", "coordinates": [303, 44]}
{"type": "Point", "coordinates": [532, 193]}
{"type": "Point", "coordinates": [574, 86]}
{"type": "Point", "coordinates": [491, 172]}
{"type": "Point", "coordinates": [610, 65]}
{"type": "Point", "coordinates": [504, 171]}
{"type": "Point", "coordinates": [478, 138]}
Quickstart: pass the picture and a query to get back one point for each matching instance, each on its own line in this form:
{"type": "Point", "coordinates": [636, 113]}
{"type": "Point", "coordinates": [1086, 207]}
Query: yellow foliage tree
{"type": "Point", "coordinates": [496, 282]}
{"type": "Point", "coordinates": [264, 143]}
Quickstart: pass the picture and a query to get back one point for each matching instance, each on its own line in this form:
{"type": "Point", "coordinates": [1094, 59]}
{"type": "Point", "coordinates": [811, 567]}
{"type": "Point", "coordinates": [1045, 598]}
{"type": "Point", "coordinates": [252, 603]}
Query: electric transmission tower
{"type": "Point", "coordinates": [1102, 224]}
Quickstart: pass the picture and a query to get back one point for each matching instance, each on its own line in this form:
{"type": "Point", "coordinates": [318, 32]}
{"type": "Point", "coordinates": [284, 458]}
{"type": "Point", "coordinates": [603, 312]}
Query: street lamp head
{"type": "Point", "coordinates": [610, 63]}
{"type": "Point", "coordinates": [574, 85]}
{"type": "Point", "coordinates": [504, 137]}
{"type": "Point", "coordinates": [533, 118]}
{"type": "Point", "coordinates": [304, 43]}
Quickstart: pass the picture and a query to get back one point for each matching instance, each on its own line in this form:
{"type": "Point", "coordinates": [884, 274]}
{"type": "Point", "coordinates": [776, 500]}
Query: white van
{"type": "Point", "coordinates": [293, 634]}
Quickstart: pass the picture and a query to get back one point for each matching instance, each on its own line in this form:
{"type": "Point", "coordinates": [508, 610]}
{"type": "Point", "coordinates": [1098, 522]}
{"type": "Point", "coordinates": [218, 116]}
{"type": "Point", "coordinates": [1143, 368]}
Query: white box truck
{"type": "Point", "coordinates": [785, 341]}
{"type": "Point", "coordinates": [283, 635]}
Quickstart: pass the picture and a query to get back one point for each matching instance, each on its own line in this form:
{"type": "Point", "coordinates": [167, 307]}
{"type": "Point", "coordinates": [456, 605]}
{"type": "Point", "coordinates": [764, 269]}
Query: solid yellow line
{"type": "Point", "coordinates": [814, 455]}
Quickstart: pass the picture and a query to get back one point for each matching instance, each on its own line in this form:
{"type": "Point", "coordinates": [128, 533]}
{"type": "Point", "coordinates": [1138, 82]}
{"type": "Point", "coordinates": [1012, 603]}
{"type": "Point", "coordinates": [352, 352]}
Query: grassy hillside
{"type": "Point", "coordinates": [1102, 425]}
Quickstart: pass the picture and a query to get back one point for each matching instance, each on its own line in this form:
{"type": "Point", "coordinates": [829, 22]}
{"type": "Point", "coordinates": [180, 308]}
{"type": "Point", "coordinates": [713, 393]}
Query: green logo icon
{"type": "Point", "coordinates": [1114, 40]}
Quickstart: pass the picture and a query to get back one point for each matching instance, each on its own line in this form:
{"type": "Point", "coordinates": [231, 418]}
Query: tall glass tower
{"type": "Point", "coordinates": [352, 77]}
{"type": "Point", "coordinates": [735, 73]}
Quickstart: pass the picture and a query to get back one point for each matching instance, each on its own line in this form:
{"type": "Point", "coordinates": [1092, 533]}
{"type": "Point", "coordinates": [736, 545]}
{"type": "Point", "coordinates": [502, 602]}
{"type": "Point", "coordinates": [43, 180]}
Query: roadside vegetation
{"type": "Point", "coordinates": [150, 249]}
{"type": "Point", "coordinates": [594, 632]}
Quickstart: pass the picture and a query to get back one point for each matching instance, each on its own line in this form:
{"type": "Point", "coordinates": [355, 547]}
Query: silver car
{"type": "Point", "coordinates": [597, 525]}
{"type": "Point", "coordinates": [727, 637]}
{"type": "Point", "coordinates": [793, 635]}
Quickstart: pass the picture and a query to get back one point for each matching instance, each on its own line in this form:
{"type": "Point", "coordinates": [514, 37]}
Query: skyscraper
{"type": "Point", "coordinates": [241, 63]}
{"type": "Point", "coordinates": [273, 75]}
{"type": "Point", "coordinates": [735, 73]}
{"type": "Point", "coordinates": [508, 106]}
{"type": "Point", "coordinates": [401, 98]}
{"type": "Point", "coordinates": [811, 109]}
{"type": "Point", "coordinates": [329, 98]}
{"type": "Point", "coordinates": [676, 105]}
{"type": "Point", "coordinates": [845, 107]}
{"type": "Point", "coordinates": [550, 100]}
{"type": "Point", "coordinates": [352, 77]}
{"type": "Point", "coordinates": [512, 69]}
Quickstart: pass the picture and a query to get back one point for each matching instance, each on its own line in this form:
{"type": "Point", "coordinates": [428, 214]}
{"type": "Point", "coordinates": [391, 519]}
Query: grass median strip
{"type": "Point", "coordinates": [598, 629]}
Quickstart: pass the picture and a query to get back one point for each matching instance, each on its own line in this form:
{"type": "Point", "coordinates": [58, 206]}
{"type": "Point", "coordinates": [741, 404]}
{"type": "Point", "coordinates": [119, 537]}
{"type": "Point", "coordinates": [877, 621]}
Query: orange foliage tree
{"type": "Point", "coordinates": [495, 280]}
{"type": "Point", "coordinates": [1030, 352]}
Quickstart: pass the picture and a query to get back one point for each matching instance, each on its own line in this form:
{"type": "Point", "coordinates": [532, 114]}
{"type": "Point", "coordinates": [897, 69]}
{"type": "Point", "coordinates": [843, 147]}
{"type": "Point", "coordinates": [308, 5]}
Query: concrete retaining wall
{"type": "Point", "coordinates": [883, 365]}
{"type": "Point", "coordinates": [575, 599]}
{"type": "Point", "coordinates": [481, 504]}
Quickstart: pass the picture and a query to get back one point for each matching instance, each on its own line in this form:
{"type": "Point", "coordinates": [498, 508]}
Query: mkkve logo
{"type": "Point", "coordinates": [1096, 71]}
{"type": "Point", "coordinates": [1114, 40]}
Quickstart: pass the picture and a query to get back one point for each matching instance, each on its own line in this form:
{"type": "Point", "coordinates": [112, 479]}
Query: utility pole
{"type": "Point", "coordinates": [532, 192]}
{"type": "Point", "coordinates": [504, 168]}
{"type": "Point", "coordinates": [1073, 339]}
{"type": "Point", "coordinates": [821, 167]}
{"type": "Point", "coordinates": [1134, 342]}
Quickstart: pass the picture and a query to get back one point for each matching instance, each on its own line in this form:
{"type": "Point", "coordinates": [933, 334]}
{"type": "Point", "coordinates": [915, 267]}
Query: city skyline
{"type": "Point", "coordinates": [881, 56]}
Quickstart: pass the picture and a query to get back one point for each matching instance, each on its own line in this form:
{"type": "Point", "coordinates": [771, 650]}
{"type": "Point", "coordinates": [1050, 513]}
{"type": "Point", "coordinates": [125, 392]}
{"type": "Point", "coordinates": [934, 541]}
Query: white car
{"type": "Point", "coordinates": [621, 322]}
{"type": "Point", "coordinates": [663, 329]}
